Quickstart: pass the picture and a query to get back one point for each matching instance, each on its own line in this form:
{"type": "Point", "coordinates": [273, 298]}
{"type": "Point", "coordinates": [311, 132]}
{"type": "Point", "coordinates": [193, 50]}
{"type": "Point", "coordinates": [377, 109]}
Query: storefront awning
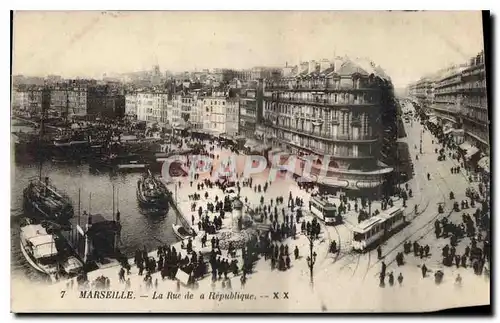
{"type": "Point", "coordinates": [471, 152]}
{"type": "Point", "coordinates": [447, 131]}
{"type": "Point", "coordinates": [250, 144]}
{"type": "Point", "coordinates": [259, 133]}
{"type": "Point", "coordinates": [465, 146]}
{"type": "Point", "coordinates": [484, 163]}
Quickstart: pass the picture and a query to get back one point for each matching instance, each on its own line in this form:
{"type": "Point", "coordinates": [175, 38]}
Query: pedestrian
{"type": "Point", "coordinates": [382, 280]}
{"type": "Point", "coordinates": [458, 280]}
{"type": "Point", "coordinates": [424, 271]}
{"type": "Point", "coordinates": [379, 252]}
{"type": "Point", "coordinates": [243, 280]}
{"type": "Point", "coordinates": [400, 279]}
{"type": "Point", "coordinates": [391, 279]}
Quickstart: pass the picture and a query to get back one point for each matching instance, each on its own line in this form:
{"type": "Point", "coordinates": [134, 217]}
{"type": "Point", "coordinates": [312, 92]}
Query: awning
{"type": "Point", "coordinates": [471, 152]}
{"type": "Point", "coordinates": [484, 163]}
{"type": "Point", "coordinates": [447, 131]}
{"type": "Point", "coordinates": [259, 133]}
{"type": "Point", "coordinates": [465, 146]}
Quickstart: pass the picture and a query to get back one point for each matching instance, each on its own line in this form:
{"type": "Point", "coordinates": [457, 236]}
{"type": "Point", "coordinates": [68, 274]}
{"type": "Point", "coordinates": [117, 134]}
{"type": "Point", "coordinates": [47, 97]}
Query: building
{"type": "Point", "coordinates": [334, 109]}
{"type": "Point", "coordinates": [458, 102]}
{"type": "Point", "coordinates": [424, 92]}
{"type": "Point", "coordinates": [197, 114]}
{"type": "Point", "coordinates": [27, 99]}
{"type": "Point", "coordinates": [175, 117]}
{"type": "Point", "coordinates": [232, 118]}
{"type": "Point", "coordinates": [151, 106]}
{"type": "Point", "coordinates": [473, 112]}
{"type": "Point", "coordinates": [250, 103]}
{"type": "Point", "coordinates": [131, 105]}
{"type": "Point", "coordinates": [69, 99]}
{"type": "Point", "coordinates": [221, 113]}
{"type": "Point", "coordinates": [260, 73]}
{"type": "Point", "coordinates": [186, 110]}
{"type": "Point", "coordinates": [447, 95]}
{"type": "Point", "coordinates": [104, 101]}
{"type": "Point", "coordinates": [214, 112]}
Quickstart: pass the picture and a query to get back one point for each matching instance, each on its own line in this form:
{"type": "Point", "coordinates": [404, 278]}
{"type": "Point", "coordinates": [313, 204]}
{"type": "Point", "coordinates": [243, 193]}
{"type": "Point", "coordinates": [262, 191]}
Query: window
{"type": "Point", "coordinates": [345, 121]}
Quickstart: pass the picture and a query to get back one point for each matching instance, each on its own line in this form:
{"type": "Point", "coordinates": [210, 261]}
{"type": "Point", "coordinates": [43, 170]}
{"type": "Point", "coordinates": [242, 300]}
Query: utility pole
{"type": "Point", "coordinates": [311, 259]}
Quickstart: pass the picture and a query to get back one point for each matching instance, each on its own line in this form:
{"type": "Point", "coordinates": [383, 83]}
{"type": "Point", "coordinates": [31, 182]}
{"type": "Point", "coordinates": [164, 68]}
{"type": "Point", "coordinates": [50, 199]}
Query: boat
{"type": "Point", "coordinates": [46, 202]}
{"type": "Point", "coordinates": [43, 249]}
{"type": "Point", "coordinates": [151, 192]}
{"type": "Point", "coordinates": [41, 198]}
{"type": "Point", "coordinates": [181, 232]}
{"type": "Point", "coordinates": [39, 248]}
{"type": "Point", "coordinates": [121, 162]}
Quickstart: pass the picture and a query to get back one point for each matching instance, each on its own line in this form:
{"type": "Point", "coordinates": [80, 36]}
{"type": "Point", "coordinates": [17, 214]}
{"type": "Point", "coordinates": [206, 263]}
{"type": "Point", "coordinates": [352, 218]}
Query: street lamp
{"type": "Point", "coordinates": [311, 259]}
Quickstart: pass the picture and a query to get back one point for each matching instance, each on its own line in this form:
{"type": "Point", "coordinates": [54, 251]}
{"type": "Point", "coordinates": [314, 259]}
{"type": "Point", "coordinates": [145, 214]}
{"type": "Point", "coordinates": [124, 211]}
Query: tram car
{"type": "Point", "coordinates": [325, 211]}
{"type": "Point", "coordinates": [373, 230]}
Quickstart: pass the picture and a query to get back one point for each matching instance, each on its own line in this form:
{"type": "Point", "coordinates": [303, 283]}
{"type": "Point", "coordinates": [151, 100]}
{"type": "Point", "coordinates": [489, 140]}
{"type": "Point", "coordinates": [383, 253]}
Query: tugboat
{"type": "Point", "coordinates": [41, 197]}
{"type": "Point", "coordinates": [152, 193]}
{"type": "Point", "coordinates": [44, 201]}
{"type": "Point", "coordinates": [39, 248]}
{"type": "Point", "coordinates": [44, 250]}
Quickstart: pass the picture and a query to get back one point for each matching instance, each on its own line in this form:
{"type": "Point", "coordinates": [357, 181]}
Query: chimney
{"type": "Point", "coordinates": [324, 64]}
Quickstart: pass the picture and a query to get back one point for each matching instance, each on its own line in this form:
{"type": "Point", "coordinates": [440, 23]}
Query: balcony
{"type": "Point", "coordinates": [322, 153]}
{"type": "Point", "coordinates": [475, 105]}
{"type": "Point", "coordinates": [480, 87]}
{"type": "Point", "coordinates": [323, 135]}
{"type": "Point", "coordinates": [320, 102]}
{"type": "Point", "coordinates": [468, 117]}
{"type": "Point", "coordinates": [473, 70]}
{"type": "Point", "coordinates": [319, 87]}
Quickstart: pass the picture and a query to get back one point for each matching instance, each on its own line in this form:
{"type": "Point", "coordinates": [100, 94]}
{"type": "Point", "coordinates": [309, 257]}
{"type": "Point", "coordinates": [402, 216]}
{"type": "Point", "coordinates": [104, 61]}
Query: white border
{"type": "Point", "coordinates": [178, 5]}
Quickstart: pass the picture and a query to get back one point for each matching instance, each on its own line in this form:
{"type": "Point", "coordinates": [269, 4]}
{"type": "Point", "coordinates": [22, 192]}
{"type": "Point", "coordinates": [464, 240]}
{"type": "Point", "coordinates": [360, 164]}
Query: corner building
{"type": "Point", "coordinates": [336, 109]}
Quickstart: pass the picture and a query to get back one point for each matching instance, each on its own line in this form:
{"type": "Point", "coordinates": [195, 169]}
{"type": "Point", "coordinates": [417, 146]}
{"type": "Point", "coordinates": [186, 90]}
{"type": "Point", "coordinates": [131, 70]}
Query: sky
{"type": "Point", "coordinates": [407, 45]}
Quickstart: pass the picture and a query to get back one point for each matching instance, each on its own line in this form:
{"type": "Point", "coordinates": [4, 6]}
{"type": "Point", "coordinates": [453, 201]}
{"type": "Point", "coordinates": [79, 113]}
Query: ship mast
{"type": "Point", "coordinates": [77, 238]}
{"type": "Point", "coordinates": [117, 202]}
{"type": "Point", "coordinates": [67, 105]}
{"type": "Point", "coordinates": [113, 202]}
{"type": "Point", "coordinates": [90, 203]}
{"type": "Point", "coordinates": [175, 201]}
{"type": "Point", "coordinates": [45, 100]}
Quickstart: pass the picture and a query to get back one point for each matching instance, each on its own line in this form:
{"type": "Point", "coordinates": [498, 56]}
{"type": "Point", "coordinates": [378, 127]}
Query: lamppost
{"type": "Point", "coordinates": [311, 259]}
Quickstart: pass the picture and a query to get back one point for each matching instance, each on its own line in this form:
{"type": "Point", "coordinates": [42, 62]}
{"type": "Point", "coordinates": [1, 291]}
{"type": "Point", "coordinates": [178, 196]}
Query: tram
{"type": "Point", "coordinates": [376, 228]}
{"type": "Point", "coordinates": [325, 210]}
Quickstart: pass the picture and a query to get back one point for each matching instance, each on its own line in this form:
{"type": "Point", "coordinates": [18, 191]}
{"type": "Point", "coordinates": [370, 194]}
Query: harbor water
{"type": "Point", "coordinates": [139, 229]}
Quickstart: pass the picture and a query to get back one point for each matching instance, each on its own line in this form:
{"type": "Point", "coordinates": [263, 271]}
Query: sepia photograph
{"type": "Point", "coordinates": [249, 161]}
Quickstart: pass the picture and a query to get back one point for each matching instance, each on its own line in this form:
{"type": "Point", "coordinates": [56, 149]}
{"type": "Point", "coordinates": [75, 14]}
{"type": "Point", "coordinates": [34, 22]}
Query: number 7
{"type": "Point", "coordinates": [62, 293]}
